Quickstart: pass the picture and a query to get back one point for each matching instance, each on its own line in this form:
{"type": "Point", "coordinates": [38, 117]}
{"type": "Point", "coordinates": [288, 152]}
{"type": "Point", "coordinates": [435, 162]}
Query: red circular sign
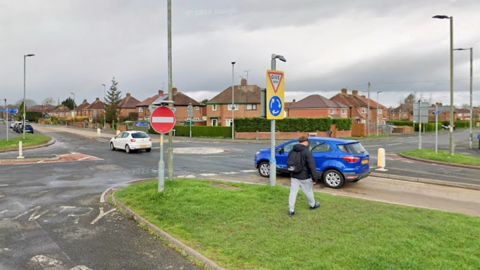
{"type": "Point", "coordinates": [162, 119]}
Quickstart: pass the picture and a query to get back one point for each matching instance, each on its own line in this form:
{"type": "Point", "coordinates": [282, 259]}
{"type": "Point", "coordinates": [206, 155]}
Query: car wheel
{"type": "Point", "coordinates": [127, 149]}
{"type": "Point", "coordinates": [148, 150]}
{"type": "Point", "coordinates": [111, 146]}
{"type": "Point", "coordinates": [264, 169]}
{"type": "Point", "coordinates": [333, 179]}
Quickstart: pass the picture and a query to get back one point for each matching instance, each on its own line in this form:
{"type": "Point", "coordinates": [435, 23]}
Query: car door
{"type": "Point", "coordinates": [119, 141]}
{"type": "Point", "coordinates": [322, 154]}
{"type": "Point", "coordinates": [281, 154]}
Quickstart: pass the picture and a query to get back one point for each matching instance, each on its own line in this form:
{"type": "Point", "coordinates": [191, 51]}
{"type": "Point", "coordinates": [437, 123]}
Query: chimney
{"type": "Point", "coordinates": [294, 101]}
{"type": "Point", "coordinates": [343, 91]}
{"type": "Point", "coordinates": [174, 91]}
{"type": "Point", "coordinates": [160, 92]}
{"type": "Point", "coordinates": [243, 82]}
{"type": "Point", "coordinates": [98, 99]}
{"type": "Point", "coordinates": [355, 92]}
{"type": "Point", "coordinates": [363, 96]}
{"type": "Point", "coordinates": [128, 95]}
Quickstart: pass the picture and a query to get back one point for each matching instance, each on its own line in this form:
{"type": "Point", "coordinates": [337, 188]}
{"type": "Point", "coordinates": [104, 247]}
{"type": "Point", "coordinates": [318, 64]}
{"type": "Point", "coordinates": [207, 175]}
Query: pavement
{"type": "Point", "coordinates": [384, 180]}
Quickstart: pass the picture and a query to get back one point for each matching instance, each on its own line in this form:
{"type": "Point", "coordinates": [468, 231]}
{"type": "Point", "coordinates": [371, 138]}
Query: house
{"type": "Point", "coordinates": [245, 102]}
{"type": "Point", "coordinates": [95, 111]}
{"type": "Point", "coordinates": [402, 112]}
{"type": "Point", "coordinates": [316, 106]}
{"type": "Point", "coordinates": [61, 112]}
{"type": "Point", "coordinates": [128, 108]}
{"type": "Point", "coordinates": [180, 103]}
{"type": "Point", "coordinates": [41, 109]}
{"type": "Point", "coordinates": [80, 109]}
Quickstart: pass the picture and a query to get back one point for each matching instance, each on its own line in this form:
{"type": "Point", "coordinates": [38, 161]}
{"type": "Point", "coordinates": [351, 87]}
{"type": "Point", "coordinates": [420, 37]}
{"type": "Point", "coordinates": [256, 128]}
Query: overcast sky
{"type": "Point", "coordinates": [81, 44]}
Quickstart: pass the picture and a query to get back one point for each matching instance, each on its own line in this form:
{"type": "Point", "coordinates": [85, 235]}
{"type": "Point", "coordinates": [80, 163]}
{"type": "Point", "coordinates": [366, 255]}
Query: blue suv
{"type": "Point", "coordinates": [337, 160]}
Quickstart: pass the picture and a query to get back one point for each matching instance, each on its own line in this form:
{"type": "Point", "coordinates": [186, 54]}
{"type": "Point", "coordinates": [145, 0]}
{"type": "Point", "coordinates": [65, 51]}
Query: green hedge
{"type": "Point", "coordinates": [201, 131]}
{"type": "Point", "coordinates": [291, 124]}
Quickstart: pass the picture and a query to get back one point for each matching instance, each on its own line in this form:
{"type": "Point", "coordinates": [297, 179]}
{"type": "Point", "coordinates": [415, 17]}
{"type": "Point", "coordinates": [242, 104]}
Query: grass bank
{"type": "Point", "coordinates": [243, 226]}
{"type": "Point", "coordinates": [30, 140]}
{"type": "Point", "coordinates": [443, 156]}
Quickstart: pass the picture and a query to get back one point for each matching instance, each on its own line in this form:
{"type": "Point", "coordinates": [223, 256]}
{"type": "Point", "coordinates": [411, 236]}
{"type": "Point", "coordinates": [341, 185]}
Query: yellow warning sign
{"type": "Point", "coordinates": [274, 95]}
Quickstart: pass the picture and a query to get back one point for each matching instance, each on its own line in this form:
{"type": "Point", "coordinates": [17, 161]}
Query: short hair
{"type": "Point", "coordinates": [303, 139]}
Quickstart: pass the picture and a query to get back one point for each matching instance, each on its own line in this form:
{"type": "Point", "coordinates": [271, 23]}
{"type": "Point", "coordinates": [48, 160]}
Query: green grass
{"type": "Point", "coordinates": [443, 156]}
{"type": "Point", "coordinates": [247, 227]}
{"type": "Point", "coordinates": [30, 140]}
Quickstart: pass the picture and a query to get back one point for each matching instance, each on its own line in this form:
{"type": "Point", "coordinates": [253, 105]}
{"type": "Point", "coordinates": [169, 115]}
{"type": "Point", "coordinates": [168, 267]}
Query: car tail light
{"type": "Point", "coordinates": [150, 139]}
{"type": "Point", "coordinates": [351, 159]}
{"type": "Point", "coordinates": [133, 140]}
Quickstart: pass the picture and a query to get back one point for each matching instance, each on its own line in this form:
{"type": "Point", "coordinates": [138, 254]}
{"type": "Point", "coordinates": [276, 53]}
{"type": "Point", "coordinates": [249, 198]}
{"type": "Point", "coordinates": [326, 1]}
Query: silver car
{"type": "Point", "coordinates": [131, 141]}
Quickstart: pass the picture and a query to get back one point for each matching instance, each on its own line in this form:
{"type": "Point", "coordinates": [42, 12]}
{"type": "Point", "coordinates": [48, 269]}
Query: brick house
{"type": "Point", "coordinates": [96, 111]}
{"type": "Point", "coordinates": [180, 103]}
{"type": "Point", "coordinates": [80, 109]}
{"type": "Point", "coordinates": [128, 108]}
{"type": "Point", "coordinates": [61, 112]}
{"type": "Point", "coordinates": [246, 103]}
{"type": "Point", "coordinates": [316, 106]}
{"type": "Point", "coordinates": [41, 109]}
{"type": "Point", "coordinates": [402, 112]}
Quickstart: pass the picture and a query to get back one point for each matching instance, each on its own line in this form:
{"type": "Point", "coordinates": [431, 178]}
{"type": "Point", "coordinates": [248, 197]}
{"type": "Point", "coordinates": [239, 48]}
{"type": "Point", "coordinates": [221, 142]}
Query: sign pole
{"type": "Point", "coordinates": [6, 109]}
{"type": "Point", "coordinates": [436, 128]}
{"type": "Point", "coordinates": [419, 125]}
{"type": "Point", "coordinates": [161, 168]}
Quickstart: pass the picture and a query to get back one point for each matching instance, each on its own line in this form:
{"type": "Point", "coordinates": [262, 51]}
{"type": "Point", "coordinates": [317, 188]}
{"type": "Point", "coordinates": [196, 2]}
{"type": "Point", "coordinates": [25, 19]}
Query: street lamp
{"type": "Point", "coordinates": [25, 87]}
{"type": "Point", "coordinates": [451, 77]}
{"type": "Point", "coordinates": [378, 105]}
{"type": "Point", "coordinates": [74, 108]}
{"type": "Point", "coordinates": [273, 162]}
{"type": "Point", "coordinates": [233, 100]}
{"type": "Point", "coordinates": [104, 116]}
{"type": "Point", "coordinates": [471, 89]}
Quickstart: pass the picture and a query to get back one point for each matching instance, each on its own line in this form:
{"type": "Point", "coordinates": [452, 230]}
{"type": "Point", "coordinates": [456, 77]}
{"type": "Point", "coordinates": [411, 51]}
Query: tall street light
{"type": "Point", "coordinates": [451, 77]}
{"type": "Point", "coordinates": [233, 100]}
{"type": "Point", "coordinates": [378, 106]}
{"type": "Point", "coordinates": [25, 87]}
{"type": "Point", "coordinates": [471, 89]}
{"type": "Point", "coordinates": [104, 112]}
{"type": "Point", "coordinates": [74, 108]}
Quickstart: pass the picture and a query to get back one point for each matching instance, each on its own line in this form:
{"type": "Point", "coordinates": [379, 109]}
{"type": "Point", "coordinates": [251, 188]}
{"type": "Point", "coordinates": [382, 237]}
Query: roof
{"type": "Point", "coordinates": [179, 99]}
{"type": "Point", "coordinates": [61, 108]}
{"type": "Point", "coordinates": [83, 105]}
{"type": "Point", "coordinates": [246, 94]}
{"type": "Point", "coordinates": [41, 108]}
{"type": "Point", "coordinates": [315, 102]}
{"type": "Point", "coordinates": [96, 105]}
{"type": "Point", "coordinates": [128, 102]}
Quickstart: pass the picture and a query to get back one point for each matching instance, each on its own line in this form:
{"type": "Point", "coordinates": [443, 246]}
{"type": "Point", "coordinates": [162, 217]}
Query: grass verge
{"type": "Point", "coordinates": [243, 226]}
{"type": "Point", "coordinates": [30, 140]}
{"type": "Point", "coordinates": [442, 156]}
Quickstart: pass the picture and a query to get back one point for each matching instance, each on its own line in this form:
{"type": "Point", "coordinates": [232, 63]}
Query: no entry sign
{"type": "Point", "coordinates": [162, 119]}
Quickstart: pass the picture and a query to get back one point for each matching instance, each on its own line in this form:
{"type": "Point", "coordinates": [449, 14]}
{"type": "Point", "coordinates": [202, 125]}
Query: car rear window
{"type": "Point", "coordinates": [139, 135]}
{"type": "Point", "coordinates": [28, 126]}
{"type": "Point", "coordinates": [353, 148]}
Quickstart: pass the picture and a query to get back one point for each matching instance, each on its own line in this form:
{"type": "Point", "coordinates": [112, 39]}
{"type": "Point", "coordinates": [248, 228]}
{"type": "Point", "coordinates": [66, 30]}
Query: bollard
{"type": "Point", "coordinates": [98, 132]}
{"type": "Point", "coordinates": [381, 160]}
{"type": "Point", "coordinates": [20, 150]}
{"type": "Point", "coordinates": [118, 132]}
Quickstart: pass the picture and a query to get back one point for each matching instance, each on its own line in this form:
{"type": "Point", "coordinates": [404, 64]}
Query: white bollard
{"type": "Point", "coordinates": [20, 150]}
{"type": "Point", "coordinates": [381, 160]}
{"type": "Point", "coordinates": [118, 132]}
{"type": "Point", "coordinates": [98, 132]}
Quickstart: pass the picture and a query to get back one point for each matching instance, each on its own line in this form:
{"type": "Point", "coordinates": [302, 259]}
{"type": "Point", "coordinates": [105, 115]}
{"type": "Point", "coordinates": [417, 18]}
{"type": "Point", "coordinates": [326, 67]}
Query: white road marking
{"type": "Point", "coordinates": [45, 261]}
{"type": "Point", "coordinates": [80, 267]}
{"type": "Point", "coordinates": [3, 185]}
{"type": "Point", "coordinates": [77, 216]}
{"type": "Point", "coordinates": [102, 214]}
{"type": "Point", "coordinates": [248, 170]}
{"type": "Point", "coordinates": [207, 174]}
{"type": "Point", "coordinates": [3, 211]}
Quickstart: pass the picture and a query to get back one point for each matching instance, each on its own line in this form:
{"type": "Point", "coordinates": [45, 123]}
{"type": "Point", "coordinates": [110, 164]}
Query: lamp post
{"type": "Point", "coordinates": [25, 88]}
{"type": "Point", "coordinates": [74, 107]}
{"type": "Point", "coordinates": [104, 112]}
{"type": "Point", "coordinates": [6, 117]}
{"type": "Point", "coordinates": [233, 100]}
{"type": "Point", "coordinates": [273, 162]}
{"type": "Point", "coordinates": [378, 105]}
{"type": "Point", "coordinates": [471, 89]}
{"type": "Point", "coordinates": [451, 77]}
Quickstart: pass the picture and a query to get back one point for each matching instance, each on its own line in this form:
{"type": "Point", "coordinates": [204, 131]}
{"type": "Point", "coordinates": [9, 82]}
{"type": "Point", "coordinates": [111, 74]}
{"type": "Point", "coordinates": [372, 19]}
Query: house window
{"type": "Point", "coordinates": [251, 107]}
{"type": "Point", "coordinates": [229, 122]}
{"type": "Point", "coordinates": [214, 122]}
{"type": "Point", "coordinates": [196, 108]}
{"type": "Point", "coordinates": [235, 106]}
{"type": "Point", "coordinates": [344, 111]}
{"type": "Point", "coordinates": [61, 114]}
{"type": "Point", "coordinates": [140, 109]}
{"type": "Point", "coordinates": [331, 111]}
{"type": "Point", "coordinates": [379, 110]}
{"type": "Point", "coordinates": [364, 110]}
{"type": "Point", "coordinates": [214, 108]}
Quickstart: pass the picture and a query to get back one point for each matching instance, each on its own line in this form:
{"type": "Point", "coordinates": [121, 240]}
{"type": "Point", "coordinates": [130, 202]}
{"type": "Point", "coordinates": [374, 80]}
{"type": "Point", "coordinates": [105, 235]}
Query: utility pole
{"type": "Point", "coordinates": [170, 94]}
{"type": "Point", "coordinates": [368, 111]}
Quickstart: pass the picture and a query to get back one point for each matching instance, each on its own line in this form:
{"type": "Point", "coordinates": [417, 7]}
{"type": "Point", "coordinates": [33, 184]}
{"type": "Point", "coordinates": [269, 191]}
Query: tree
{"type": "Point", "coordinates": [48, 101]}
{"type": "Point", "coordinates": [205, 101]}
{"type": "Point", "coordinates": [112, 100]}
{"type": "Point", "coordinates": [28, 103]}
{"type": "Point", "coordinates": [69, 103]}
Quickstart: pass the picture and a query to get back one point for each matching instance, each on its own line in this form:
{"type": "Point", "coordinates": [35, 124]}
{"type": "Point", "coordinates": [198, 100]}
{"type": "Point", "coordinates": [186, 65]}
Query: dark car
{"type": "Point", "coordinates": [28, 129]}
{"type": "Point", "coordinates": [337, 160]}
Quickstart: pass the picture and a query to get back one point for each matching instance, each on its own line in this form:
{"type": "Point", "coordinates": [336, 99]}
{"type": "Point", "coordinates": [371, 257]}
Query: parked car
{"type": "Point", "coordinates": [337, 160]}
{"type": "Point", "coordinates": [13, 124]}
{"type": "Point", "coordinates": [17, 127]}
{"type": "Point", "coordinates": [131, 141]}
{"type": "Point", "coordinates": [28, 129]}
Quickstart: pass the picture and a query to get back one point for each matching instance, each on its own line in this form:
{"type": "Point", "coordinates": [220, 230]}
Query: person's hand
{"type": "Point", "coordinates": [314, 182]}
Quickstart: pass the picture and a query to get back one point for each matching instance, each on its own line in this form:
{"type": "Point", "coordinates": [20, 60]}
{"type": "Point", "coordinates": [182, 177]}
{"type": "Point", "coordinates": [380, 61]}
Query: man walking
{"type": "Point", "coordinates": [304, 176]}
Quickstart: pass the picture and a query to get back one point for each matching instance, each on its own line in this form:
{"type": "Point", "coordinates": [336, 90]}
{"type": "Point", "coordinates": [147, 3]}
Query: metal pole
{"type": "Point", "coordinates": [419, 125]}
{"type": "Point", "coordinates": [273, 162]}
{"type": "Point", "coordinates": [6, 117]}
{"type": "Point", "coordinates": [378, 105]}
{"type": "Point", "coordinates": [170, 94]}
{"type": "Point", "coordinates": [436, 128]}
{"type": "Point", "coordinates": [74, 108]}
{"type": "Point", "coordinates": [451, 86]}
{"type": "Point", "coordinates": [161, 168]}
{"type": "Point", "coordinates": [368, 111]}
{"type": "Point", "coordinates": [233, 100]}
{"type": "Point", "coordinates": [104, 111]}
{"type": "Point", "coordinates": [24, 90]}
{"type": "Point", "coordinates": [471, 96]}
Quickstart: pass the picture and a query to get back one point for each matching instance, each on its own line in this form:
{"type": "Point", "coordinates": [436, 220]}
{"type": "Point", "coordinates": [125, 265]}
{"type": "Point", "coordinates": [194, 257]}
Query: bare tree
{"type": "Point", "coordinates": [48, 101]}
{"type": "Point", "coordinates": [28, 103]}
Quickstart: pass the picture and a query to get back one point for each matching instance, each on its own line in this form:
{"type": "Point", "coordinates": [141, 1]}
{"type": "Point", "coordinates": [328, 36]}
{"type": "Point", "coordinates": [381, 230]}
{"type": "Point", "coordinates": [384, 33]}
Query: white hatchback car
{"type": "Point", "coordinates": [131, 141]}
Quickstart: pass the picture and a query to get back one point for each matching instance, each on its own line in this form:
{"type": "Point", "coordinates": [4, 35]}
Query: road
{"type": "Point", "coordinates": [51, 212]}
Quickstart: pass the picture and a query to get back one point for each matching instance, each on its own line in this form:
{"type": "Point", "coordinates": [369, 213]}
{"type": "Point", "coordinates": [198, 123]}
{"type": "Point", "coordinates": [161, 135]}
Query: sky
{"type": "Point", "coordinates": [395, 45]}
